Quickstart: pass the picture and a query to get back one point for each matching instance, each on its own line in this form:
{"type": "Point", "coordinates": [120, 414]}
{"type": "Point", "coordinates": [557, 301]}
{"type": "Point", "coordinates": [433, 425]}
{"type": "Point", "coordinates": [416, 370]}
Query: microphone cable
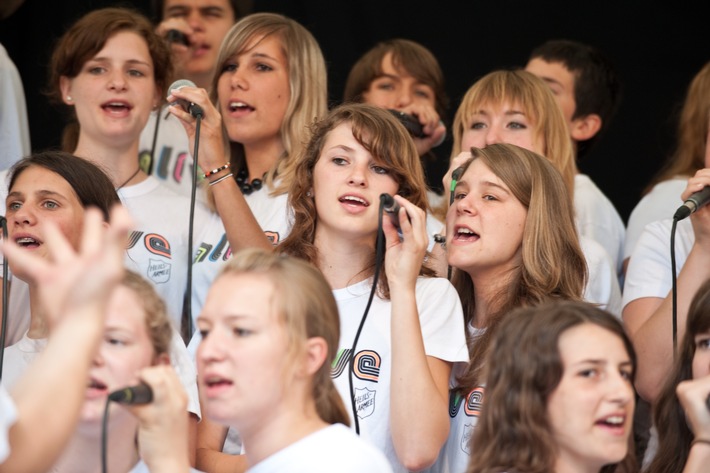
{"type": "Point", "coordinates": [379, 258]}
{"type": "Point", "coordinates": [674, 291]}
{"type": "Point", "coordinates": [104, 437]}
{"type": "Point", "coordinates": [5, 295]}
{"type": "Point", "coordinates": [187, 325]}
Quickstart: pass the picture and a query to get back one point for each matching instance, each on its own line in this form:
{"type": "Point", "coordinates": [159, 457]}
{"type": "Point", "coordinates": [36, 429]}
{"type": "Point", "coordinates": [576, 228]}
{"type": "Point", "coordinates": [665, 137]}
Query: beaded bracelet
{"type": "Point", "coordinates": [705, 441]}
{"type": "Point", "coordinates": [216, 170]}
{"type": "Point", "coordinates": [218, 180]}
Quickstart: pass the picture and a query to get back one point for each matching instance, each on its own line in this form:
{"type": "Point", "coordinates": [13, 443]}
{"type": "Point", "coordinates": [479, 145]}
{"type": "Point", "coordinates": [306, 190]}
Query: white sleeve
{"type": "Point", "coordinates": [441, 319]}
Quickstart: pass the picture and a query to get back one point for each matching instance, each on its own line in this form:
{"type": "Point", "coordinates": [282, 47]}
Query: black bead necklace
{"type": "Point", "coordinates": [246, 186]}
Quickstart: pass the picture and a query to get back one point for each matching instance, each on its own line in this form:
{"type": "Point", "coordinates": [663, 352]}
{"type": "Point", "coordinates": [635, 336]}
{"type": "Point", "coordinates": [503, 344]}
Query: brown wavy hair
{"type": "Point", "coordinates": [513, 432]}
{"type": "Point", "coordinates": [381, 134]}
{"type": "Point", "coordinates": [85, 38]}
{"type": "Point", "coordinates": [674, 435]}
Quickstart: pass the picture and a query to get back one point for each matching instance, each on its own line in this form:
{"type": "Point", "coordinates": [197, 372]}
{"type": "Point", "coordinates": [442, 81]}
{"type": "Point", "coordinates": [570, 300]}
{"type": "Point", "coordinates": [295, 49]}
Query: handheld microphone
{"type": "Point", "coordinates": [177, 36]}
{"type": "Point", "coordinates": [138, 394]}
{"type": "Point", "coordinates": [391, 208]}
{"type": "Point", "coordinates": [410, 122]}
{"type": "Point", "coordinates": [693, 203]}
{"type": "Point", "coordinates": [192, 108]}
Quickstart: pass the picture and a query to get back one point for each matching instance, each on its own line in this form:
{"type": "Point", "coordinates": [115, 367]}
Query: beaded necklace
{"type": "Point", "coordinates": [245, 185]}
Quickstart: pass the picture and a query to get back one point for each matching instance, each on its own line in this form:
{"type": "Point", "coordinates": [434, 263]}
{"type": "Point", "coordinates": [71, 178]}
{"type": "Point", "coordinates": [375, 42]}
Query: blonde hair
{"type": "Point", "coordinates": [157, 322]}
{"type": "Point", "coordinates": [527, 91]}
{"type": "Point", "coordinates": [307, 82]}
{"type": "Point", "coordinates": [304, 302]}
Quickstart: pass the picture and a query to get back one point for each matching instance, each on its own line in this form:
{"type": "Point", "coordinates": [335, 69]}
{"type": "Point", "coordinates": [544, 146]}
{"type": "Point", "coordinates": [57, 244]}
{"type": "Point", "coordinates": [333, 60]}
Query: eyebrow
{"type": "Point", "coordinates": [341, 147]}
{"type": "Point", "coordinates": [387, 76]}
{"type": "Point", "coordinates": [484, 183]}
{"type": "Point", "coordinates": [41, 193]}
{"type": "Point", "coordinates": [130, 61]}
{"type": "Point", "coordinates": [550, 80]}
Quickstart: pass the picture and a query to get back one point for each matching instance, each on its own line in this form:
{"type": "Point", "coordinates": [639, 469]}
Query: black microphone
{"type": "Point", "coordinates": [138, 394]}
{"type": "Point", "coordinates": [192, 108]}
{"type": "Point", "coordinates": [177, 36]}
{"type": "Point", "coordinates": [391, 208]}
{"type": "Point", "coordinates": [693, 203]}
{"type": "Point", "coordinates": [410, 122]}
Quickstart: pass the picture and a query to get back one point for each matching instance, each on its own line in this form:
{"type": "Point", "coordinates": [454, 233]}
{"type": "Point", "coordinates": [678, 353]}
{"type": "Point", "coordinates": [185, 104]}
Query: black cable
{"type": "Point", "coordinates": [104, 438]}
{"type": "Point", "coordinates": [379, 257]}
{"type": "Point", "coordinates": [187, 327]}
{"type": "Point", "coordinates": [674, 310]}
{"type": "Point", "coordinates": [5, 295]}
{"type": "Point", "coordinates": [148, 168]}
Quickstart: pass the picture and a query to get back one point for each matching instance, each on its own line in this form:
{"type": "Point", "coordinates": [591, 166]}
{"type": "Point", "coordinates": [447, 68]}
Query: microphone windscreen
{"type": "Point", "coordinates": [180, 83]}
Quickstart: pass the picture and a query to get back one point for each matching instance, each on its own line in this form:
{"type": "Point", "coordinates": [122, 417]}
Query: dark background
{"type": "Point", "coordinates": [657, 50]}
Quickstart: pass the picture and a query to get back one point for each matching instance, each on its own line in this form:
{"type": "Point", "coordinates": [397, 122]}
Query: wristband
{"type": "Point", "coordinates": [216, 170]}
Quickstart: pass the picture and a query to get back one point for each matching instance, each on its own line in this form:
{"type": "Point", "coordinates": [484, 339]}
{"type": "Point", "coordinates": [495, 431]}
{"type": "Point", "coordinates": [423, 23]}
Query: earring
{"type": "Point", "coordinates": [69, 99]}
{"type": "Point", "coordinates": [309, 194]}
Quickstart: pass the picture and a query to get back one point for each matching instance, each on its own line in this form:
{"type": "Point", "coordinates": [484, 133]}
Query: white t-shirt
{"type": "Point", "coordinates": [158, 247]}
{"type": "Point", "coordinates": [649, 270]}
{"type": "Point", "coordinates": [659, 204]}
{"type": "Point", "coordinates": [603, 284]}
{"type": "Point", "coordinates": [14, 127]}
{"type": "Point", "coordinates": [173, 163]}
{"type": "Point", "coordinates": [273, 216]}
{"type": "Point", "coordinates": [441, 321]}
{"type": "Point", "coordinates": [332, 449]}
{"type": "Point", "coordinates": [8, 416]}
{"type": "Point", "coordinates": [598, 219]}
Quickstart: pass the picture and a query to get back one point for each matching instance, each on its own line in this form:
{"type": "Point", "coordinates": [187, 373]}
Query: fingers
{"type": "Point", "coordinates": [412, 223]}
{"type": "Point", "coordinates": [700, 180]}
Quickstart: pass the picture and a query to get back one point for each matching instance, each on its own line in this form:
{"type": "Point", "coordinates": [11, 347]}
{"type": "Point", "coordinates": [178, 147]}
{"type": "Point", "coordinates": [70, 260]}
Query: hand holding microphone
{"type": "Point", "coordinates": [138, 394]}
{"type": "Point", "coordinates": [391, 208]}
{"type": "Point", "coordinates": [693, 203]}
{"type": "Point", "coordinates": [190, 107]}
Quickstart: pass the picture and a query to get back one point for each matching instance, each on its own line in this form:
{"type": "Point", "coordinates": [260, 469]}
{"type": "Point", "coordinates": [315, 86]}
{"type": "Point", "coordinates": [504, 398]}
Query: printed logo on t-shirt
{"type": "Point", "coordinates": [222, 251]}
{"type": "Point", "coordinates": [366, 365]}
{"type": "Point", "coordinates": [472, 404]}
{"type": "Point", "coordinates": [364, 402]}
{"type": "Point", "coordinates": [466, 438]}
{"type": "Point", "coordinates": [158, 271]}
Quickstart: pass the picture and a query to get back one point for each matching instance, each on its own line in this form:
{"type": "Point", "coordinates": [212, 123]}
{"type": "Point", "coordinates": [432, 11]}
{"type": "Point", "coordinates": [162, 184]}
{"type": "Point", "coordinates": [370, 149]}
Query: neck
{"type": "Point", "coordinates": [342, 261]}
{"type": "Point", "coordinates": [262, 157]}
{"type": "Point", "coordinates": [38, 326]}
{"type": "Point", "coordinates": [83, 454]}
{"type": "Point", "coordinates": [119, 162]}
{"type": "Point", "coordinates": [486, 289]}
{"type": "Point", "coordinates": [284, 427]}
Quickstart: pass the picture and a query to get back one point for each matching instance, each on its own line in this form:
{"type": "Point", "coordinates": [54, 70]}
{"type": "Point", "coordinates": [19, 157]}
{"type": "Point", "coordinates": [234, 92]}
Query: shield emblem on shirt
{"type": "Point", "coordinates": [364, 402]}
{"type": "Point", "coordinates": [466, 438]}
